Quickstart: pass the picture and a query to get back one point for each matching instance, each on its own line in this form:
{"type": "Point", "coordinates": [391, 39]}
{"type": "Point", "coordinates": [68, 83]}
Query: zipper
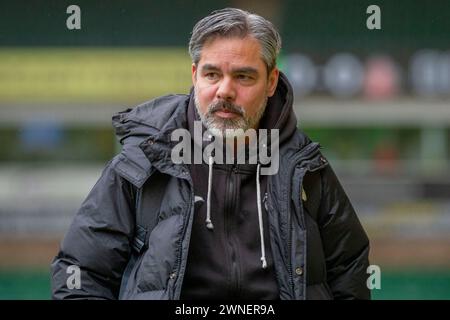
{"type": "Point", "coordinates": [230, 202]}
{"type": "Point", "coordinates": [264, 200]}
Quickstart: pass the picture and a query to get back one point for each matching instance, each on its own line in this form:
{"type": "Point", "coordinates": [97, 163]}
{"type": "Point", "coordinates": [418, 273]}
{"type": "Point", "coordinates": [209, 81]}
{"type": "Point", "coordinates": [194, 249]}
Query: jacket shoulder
{"type": "Point", "coordinates": [134, 172]}
{"type": "Point", "coordinates": [154, 113]}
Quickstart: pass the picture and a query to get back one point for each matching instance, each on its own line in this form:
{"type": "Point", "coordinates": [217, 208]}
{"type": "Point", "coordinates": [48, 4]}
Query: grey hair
{"type": "Point", "coordinates": [232, 22]}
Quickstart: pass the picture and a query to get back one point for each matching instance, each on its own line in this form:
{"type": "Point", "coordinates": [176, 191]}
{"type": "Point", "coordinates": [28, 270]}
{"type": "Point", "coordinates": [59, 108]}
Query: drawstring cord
{"type": "Point", "coordinates": [209, 224]}
{"type": "Point", "coordinates": [261, 228]}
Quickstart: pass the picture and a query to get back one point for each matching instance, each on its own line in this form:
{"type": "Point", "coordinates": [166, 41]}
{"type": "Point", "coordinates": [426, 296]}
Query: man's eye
{"type": "Point", "coordinates": [244, 77]}
{"type": "Point", "coordinates": [211, 76]}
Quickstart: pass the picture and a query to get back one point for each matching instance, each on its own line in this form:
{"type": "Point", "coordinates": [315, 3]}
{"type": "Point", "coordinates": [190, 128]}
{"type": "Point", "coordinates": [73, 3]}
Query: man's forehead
{"type": "Point", "coordinates": [235, 53]}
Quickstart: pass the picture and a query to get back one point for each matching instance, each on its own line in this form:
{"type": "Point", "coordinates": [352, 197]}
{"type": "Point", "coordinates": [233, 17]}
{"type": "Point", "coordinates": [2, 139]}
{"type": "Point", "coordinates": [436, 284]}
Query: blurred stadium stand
{"type": "Point", "coordinates": [377, 101]}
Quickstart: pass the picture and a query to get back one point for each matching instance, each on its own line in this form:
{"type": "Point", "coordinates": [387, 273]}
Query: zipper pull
{"type": "Point", "coordinates": [266, 196]}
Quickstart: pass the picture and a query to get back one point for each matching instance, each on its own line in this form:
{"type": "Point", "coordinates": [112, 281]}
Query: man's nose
{"type": "Point", "coordinates": [226, 90]}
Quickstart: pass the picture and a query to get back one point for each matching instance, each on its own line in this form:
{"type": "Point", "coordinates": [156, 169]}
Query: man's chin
{"type": "Point", "coordinates": [221, 129]}
{"type": "Point", "coordinates": [227, 132]}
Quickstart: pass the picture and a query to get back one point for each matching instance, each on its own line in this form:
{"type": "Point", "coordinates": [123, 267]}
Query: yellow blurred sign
{"type": "Point", "coordinates": [92, 74]}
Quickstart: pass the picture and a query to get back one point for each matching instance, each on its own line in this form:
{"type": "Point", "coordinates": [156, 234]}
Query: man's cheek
{"type": "Point", "coordinates": [207, 88]}
{"type": "Point", "coordinates": [205, 106]}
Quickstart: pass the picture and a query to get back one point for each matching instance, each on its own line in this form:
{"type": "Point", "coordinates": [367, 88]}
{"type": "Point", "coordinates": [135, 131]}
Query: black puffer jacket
{"type": "Point", "coordinates": [319, 248]}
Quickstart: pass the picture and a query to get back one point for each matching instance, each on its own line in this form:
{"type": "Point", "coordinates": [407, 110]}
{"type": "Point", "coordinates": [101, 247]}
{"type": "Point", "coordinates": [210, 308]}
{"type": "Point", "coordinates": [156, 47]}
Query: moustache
{"type": "Point", "coordinates": [225, 106]}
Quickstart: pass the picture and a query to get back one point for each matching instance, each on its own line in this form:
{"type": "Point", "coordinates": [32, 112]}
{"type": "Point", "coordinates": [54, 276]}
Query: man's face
{"type": "Point", "coordinates": [231, 84]}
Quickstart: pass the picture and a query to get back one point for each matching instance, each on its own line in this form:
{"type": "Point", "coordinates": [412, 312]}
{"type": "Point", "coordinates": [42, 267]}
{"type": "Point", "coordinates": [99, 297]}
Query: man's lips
{"type": "Point", "coordinates": [226, 114]}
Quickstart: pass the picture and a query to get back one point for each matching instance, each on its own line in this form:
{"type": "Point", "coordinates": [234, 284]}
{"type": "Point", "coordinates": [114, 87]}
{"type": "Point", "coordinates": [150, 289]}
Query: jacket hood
{"type": "Point", "coordinates": [153, 120]}
{"type": "Point", "coordinates": [279, 113]}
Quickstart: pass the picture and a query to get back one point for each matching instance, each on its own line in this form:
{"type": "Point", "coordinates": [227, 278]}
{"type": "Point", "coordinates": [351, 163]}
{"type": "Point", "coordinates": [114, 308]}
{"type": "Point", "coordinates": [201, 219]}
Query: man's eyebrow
{"type": "Point", "coordinates": [210, 67]}
{"type": "Point", "coordinates": [246, 70]}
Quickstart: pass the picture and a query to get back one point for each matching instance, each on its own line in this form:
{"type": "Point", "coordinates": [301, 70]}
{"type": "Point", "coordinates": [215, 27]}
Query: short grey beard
{"type": "Point", "coordinates": [218, 127]}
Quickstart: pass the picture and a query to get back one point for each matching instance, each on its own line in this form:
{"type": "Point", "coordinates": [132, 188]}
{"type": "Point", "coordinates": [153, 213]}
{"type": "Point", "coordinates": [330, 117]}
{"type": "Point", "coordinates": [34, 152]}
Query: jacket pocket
{"type": "Point", "coordinates": [158, 261]}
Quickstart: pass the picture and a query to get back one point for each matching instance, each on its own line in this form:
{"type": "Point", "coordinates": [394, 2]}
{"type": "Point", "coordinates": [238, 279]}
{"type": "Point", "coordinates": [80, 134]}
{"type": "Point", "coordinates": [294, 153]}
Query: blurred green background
{"type": "Point", "coordinates": [378, 101]}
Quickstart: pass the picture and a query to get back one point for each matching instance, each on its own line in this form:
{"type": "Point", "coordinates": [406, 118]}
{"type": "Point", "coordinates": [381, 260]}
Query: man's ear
{"type": "Point", "coordinates": [273, 81]}
{"type": "Point", "coordinates": [194, 73]}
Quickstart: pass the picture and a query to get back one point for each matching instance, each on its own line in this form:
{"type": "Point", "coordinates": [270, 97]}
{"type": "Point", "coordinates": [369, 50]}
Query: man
{"type": "Point", "coordinates": [156, 228]}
